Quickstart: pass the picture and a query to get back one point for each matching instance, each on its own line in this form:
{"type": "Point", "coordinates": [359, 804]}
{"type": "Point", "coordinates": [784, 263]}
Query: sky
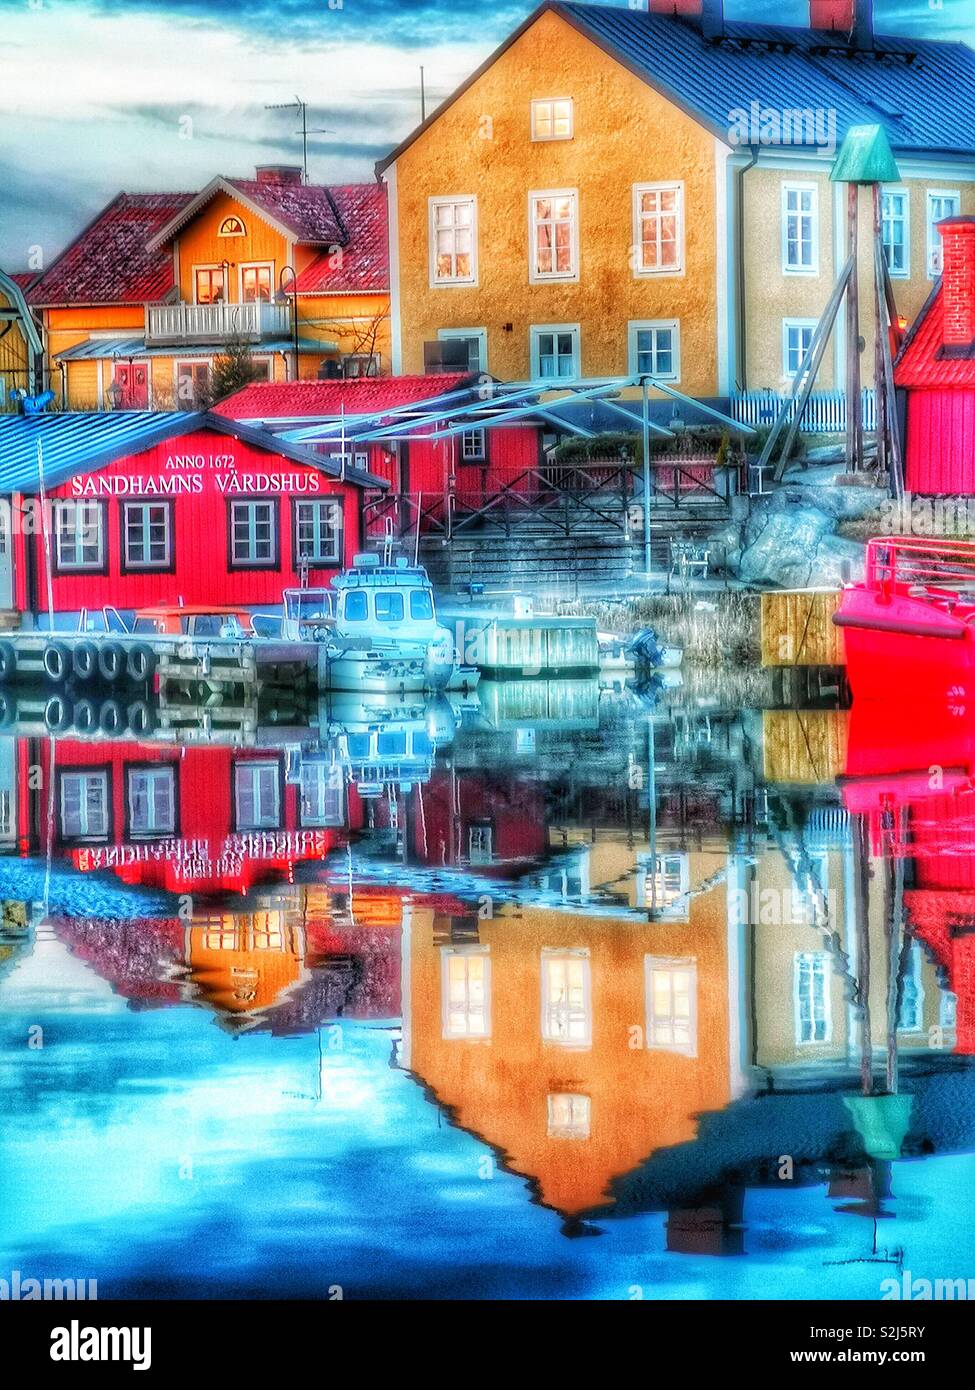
{"type": "Point", "coordinates": [98, 96]}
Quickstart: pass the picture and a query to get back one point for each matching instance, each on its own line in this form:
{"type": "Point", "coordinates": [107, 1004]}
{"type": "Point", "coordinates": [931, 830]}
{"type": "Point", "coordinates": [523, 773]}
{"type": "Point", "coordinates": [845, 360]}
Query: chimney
{"type": "Point", "coordinates": [710, 13]}
{"type": "Point", "coordinates": [680, 7]}
{"type": "Point", "coordinates": [853, 17]}
{"type": "Point", "coordinates": [279, 173]}
{"type": "Point", "coordinates": [958, 282]}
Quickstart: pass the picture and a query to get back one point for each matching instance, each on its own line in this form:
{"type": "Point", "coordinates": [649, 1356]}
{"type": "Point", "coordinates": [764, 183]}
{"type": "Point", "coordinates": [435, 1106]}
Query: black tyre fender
{"type": "Point", "coordinates": [111, 720]}
{"type": "Point", "coordinates": [84, 661]}
{"type": "Point", "coordinates": [111, 661]}
{"type": "Point", "coordinates": [57, 662]}
{"type": "Point", "coordinates": [58, 714]}
{"type": "Point", "coordinates": [141, 717]}
{"type": "Point", "coordinates": [85, 716]}
{"type": "Point", "coordinates": [8, 710]}
{"type": "Point", "coordinates": [8, 661]}
{"type": "Point", "coordinates": [140, 662]}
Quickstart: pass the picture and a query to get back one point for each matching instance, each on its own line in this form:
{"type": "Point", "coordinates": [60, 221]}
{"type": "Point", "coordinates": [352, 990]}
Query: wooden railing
{"type": "Point", "coordinates": [198, 323]}
{"type": "Point", "coordinates": [825, 411]}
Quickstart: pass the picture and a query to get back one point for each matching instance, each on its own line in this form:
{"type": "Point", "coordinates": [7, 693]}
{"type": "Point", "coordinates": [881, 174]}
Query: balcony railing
{"type": "Point", "coordinates": [209, 323]}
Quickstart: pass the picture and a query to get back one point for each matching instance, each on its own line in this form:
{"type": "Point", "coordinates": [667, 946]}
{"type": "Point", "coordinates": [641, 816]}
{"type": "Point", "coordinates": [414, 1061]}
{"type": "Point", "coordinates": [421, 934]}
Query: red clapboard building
{"type": "Point", "coordinates": [160, 509]}
{"type": "Point", "coordinates": [936, 368]}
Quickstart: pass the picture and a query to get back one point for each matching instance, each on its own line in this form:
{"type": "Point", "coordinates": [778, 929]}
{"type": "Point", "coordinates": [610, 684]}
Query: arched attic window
{"type": "Point", "coordinates": [232, 226]}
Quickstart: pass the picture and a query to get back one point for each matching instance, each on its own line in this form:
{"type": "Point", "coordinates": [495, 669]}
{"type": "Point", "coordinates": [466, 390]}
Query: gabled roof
{"type": "Point", "coordinates": [324, 400]}
{"type": "Point", "coordinates": [922, 91]}
{"type": "Point", "coordinates": [921, 364]}
{"type": "Point", "coordinates": [12, 290]}
{"type": "Point", "coordinates": [304, 211]}
{"type": "Point", "coordinates": [85, 441]}
{"type": "Point", "coordinates": [110, 262]}
{"type": "Point", "coordinates": [363, 266]}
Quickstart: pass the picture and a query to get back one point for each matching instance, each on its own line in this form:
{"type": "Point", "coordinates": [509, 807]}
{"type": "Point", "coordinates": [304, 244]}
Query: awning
{"type": "Point", "coordinates": [107, 349]}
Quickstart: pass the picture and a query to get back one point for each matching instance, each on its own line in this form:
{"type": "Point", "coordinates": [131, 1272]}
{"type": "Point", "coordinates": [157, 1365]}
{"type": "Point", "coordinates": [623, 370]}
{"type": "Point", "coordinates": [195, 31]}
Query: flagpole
{"type": "Point", "coordinates": [45, 532]}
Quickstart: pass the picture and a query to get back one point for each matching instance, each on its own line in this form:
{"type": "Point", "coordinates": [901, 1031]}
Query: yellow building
{"type": "Point", "coordinates": [20, 343]}
{"type": "Point", "coordinates": [611, 193]}
{"type": "Point", "coordinates": [141, 304]}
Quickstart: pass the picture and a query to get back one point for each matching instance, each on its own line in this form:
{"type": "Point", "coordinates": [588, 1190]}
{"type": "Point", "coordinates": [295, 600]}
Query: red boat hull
{"type": "Point", "coordinates": [899, 647]}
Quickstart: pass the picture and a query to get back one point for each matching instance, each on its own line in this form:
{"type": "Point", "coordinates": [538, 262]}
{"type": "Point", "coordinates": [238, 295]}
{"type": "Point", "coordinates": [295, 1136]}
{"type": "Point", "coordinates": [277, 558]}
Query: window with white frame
{"type": "Point", "coordinates": [569, 1116]}
{"type": "Point", "coordinates": [152, 800]}
{"type": "Point", "coordinates": [476, 340]}
{"type": "Point", "coordinates": [552, 118]}
{"type": "Point", "coordinates": [654, 349]}
{"type": "Point", "coordinates": [555, 351]}
{"type": "Point", "coordinates": [554, 222]}
{"type": "Point", "coordinates": [256, 283]}
{"type": "Point", "coordinates": [800, 228]}
{"type": "Point", "coordinates": [253, 534]}
{"type": "Point", "coordinates": [671, 1004]}
{"type": "Point", "coordinates": [465, 991]}
{"type": "Point", "coordinates": [192, 383]}
{"type": "Point", "coordinates": [453, 241]}
{"type": "Point", "coordinates": [941, 204]}
{"type": "Point", "coordinates": [566, 997]}
{"type": "Point", "coordinates": [797, 336]}
{"type": "Point", "coordinates": [811, 992]}
{"type": "Point", "coordinates": [662, 884]}
{"type": "Point", "coordinates": [79, 534]}
{"type": "Point", "coordinates": [658, 228]}
{"type": "Point", "coordinates": [480, 843]}
{"type": "Point", "coordinates": [473, 446]}
{"type": "Point", "coordinates": [896, 231]}
{"type": "Point", "coordinates": [257, 796]}
{"type": "Point", "coordinates": [322, 798]}
{"type": "Point", "coordinates": [910, 1016]}
{"type": "Point", "coordinates": [147, 535]}
{"type": "Point", "coordinates": [84, 805]}
{"type": "Point", "coordinates": [318, 530]}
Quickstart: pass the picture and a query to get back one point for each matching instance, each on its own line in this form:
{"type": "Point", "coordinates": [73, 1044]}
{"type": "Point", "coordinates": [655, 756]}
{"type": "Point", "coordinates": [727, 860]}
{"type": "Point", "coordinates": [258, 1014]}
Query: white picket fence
{"type": "Point", "coordinates": [825, 412]}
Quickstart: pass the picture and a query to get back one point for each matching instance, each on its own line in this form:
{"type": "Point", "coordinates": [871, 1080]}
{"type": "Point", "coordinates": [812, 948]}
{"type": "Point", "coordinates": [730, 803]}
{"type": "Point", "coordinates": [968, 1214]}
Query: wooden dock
{"type": "Point", "coordinates": [798, 628]}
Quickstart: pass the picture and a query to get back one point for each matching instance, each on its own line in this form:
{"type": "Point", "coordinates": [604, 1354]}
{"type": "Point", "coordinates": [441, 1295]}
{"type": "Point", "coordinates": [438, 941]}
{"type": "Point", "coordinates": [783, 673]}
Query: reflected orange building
{"type": "Point", "coordinates": [242, 964]}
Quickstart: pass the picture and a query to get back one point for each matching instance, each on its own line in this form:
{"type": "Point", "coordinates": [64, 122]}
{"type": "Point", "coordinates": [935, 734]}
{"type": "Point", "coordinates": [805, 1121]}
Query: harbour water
{"type": "Point", "coordinates": [551, 991]}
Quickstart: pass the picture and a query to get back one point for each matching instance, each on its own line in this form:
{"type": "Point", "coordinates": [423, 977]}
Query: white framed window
{"type": "Point", "coordinates": [553, 118]}
{"type": "Point", "coordinates": [654, 348]}
{"type": "Point", "coordinates": [800, 229]}
{"type": "Point", "coordinates": [569, 1116]}
{"type": "Point", "coordinates": [477, 345]}
{"type": "Point", "coordinates": [480, 843]}
{"type": "Point", "coordinates": [671, 1003]}
{"type": "Point", "coordinates": [322, 794]}
{"type": "Point", "coordinates": [253, 534]}
{"type": "Point", "coordinates": [209, 284]}
{"type": "Point", "coordinates": [318, 530]}
{"type": "Point", "coordinates": [257, 796]}
{"type": "Point", "coordinates": [797, 336]}
{"type": "Point", "coordinates": [554, 350]}
{"type": "Point", "coordinates": [147, 535]}
{"type": "Point", "coordinates": [84, 805]}
{"type": "Point", "coordinates": [473, 446]}
{"type": "Point", "coordinates": [79, 534]}
{"type": "Point", "coordinates": [257, 282]}
{"type": "Point", "coordinates": [553, 219]}
{"type": "Point", "coordinates": [896, 229]}
{"type": "Point", "coordinates": [811, 995]}
{"type": "Point", "coordinates": [152, 800]}
{"type": "Point", "coordinates": [566, 997]}
{"type": "Point", "coordinates": [465, 991]}
{"type": "Point", "coordinates": [910, 1015]}
{"type": "Point", "coordinates": [658, 228]}
{"type": "Point", "coordinates": [192, 383]}
{"type": "Point", "coordinates": [941, 203]}
{"type": "Point", "coordinates": [453, 241]}
{"type": "Point", "coordinates": [663, 883]}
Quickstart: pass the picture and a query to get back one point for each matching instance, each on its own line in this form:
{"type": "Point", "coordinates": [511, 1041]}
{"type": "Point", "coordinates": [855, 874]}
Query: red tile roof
{"type": "Point", "coordinates": [304, 208]}
{"type": "Point", "coordinates": [108, 263]}
{"type": "Point", "coordinates": [364, 263]}
{"type": "Point", "coordinates": [23, 278]}
{"type": "Point", "coordinates": [317, 399]}
{"type": "Point", "coordinates": [919, 364]}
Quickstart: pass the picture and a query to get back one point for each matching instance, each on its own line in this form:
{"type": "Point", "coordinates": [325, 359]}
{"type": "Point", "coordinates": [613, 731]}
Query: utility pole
{"type": "Point", "coordinates": [302, 109]}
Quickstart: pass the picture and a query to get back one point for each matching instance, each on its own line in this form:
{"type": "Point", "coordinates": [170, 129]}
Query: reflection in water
{"type": "Point", "coordinates": [485, 976]}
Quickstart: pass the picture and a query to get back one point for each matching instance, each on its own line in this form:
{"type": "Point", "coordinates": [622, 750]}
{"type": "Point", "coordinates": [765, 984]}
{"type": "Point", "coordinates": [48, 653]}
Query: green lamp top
{"type": "Point", "coordinates": [865, 157]}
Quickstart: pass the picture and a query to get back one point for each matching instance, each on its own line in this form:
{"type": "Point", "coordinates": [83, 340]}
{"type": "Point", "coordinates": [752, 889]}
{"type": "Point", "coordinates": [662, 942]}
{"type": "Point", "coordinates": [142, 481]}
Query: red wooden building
{"type": "Point", "coordinates": [153, 509]}
{"type": "Point", "coordinates": [936, 368]}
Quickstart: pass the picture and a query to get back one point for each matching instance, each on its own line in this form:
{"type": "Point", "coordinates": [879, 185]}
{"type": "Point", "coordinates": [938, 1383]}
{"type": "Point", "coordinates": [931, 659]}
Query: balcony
{"type": "Point", "coordinates": [185, 324]}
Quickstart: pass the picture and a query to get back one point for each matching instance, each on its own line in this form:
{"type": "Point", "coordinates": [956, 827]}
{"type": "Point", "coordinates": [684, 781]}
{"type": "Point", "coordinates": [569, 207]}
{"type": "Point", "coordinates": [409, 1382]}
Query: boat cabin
{"type": "Point", "coordinates": [177, 620]}
{"type": "Point", "coordinates": [377, 600]}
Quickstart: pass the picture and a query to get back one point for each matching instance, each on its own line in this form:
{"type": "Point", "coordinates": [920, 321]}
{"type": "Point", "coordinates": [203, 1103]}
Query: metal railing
{"type": "Point", "coordinates": [939, 568]}
{"type": "Point", "coordinates": [198, 323]}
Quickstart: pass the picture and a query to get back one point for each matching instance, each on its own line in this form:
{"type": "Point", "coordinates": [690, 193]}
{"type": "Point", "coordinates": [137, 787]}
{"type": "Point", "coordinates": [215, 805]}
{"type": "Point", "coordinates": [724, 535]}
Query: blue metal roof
{"type": "Point", "coordinates": [106, 348]}
{"type": "Point", "coordinates": [77, 441]}
{"type": "Point", "coordinates": [921, 91]}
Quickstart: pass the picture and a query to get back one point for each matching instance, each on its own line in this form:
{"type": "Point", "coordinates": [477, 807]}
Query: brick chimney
{"type": "Point", "coordinates": [278, 173]}
{"type": "Point", "coordinates": [710, 13]}
{"type": "Point", "coordinates": [688, 7]}
{"type": "Point", "coordinates": [958, 281]}
{"type": "Point", "coordinates": [853, 17]}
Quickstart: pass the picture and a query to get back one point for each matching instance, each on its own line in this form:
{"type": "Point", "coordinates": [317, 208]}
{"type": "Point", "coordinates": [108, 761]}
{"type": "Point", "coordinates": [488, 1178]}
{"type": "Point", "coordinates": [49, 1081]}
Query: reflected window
{"type": "Point", "coordinates": [814, 1023]}
{"type": "Point", "coordinates": [948, 1013]}
{"type": "Point", "coordinates": [569, 1116]}
{"type": "Point", "coordinates": [152, 800]}
{"type": "Point", "coordinates": [221, 934]}
{"type": "Point", "coordinates": [465, 991]}
{"type": "Point", "coordinates": [480, 844]}
{"type": "Point", "coordinates": [671, 990]}
{"type": "Point", "coordinates": [322, 801]}
{"type": "Point", "coordinates": [84, 805]}
{"type": "Point", "coordinates": [663, 882]}
{"type": "Point", "coordinates": [257, 796]}
{"type": "Point", "coordinates": [910, 1018]}
{"type": "Point", "coordinates": [266, 931]}
{"type": "Point", "coordinates": [566, 998]}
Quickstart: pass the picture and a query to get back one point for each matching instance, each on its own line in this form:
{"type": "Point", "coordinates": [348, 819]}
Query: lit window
{"type": "Point", "coordinates": [940, 206]}
{"type": "Point", "coordinates": [257, 796]}
{"type": "Point", "coordinates": [221, 932]}
{"type": "Point", "coordinates": [671, 987]}
{"type": "Point", "coordinates": [663, 884]}
{"type": "Point", "coordinates": [232, 226]}
{"type": "Point", "coordinates": [318, 531]}
{"type": "Point", "coordinates": [554, 235]}
{"type": "Point", "coordinates": [658, 216]}
{"type": "Point", "coordinates": [322, 799]}
{"type": "Point", "coordinates": [896, 224]}
{"type": "Point", "coordinates": [152, 800]}
{"type": "Point", "coordinates": [472, 448]}
{"type": "Point", "coordinates": [814, 1023]}
{"type": "Point", "coordinates": [465, 991]}
{"type": "Point", "coordinates": [797, 336]}
{"type": "Point", "coordinates": [84, 805]}
{"type": "Point", "coordinates": [255, 283]}
{"type": "Point", "coordinates": [569, 1116]}
{"type": "Point", "coordinates": [253, 539]}
{"type": "Point", "coordinates": [555, 352]}
{"type": "Point", "coordinates": [211, 285]}
{"type": "Point", "coordinates": [147, 532]}
{"type": "Point", "coordinates": [79, 535]}
{"type": "Point", "coordinates": [480, 844]}
{"type": "Point", "coordinates": [566, 998]}
{"type": "Point", "coordinates": [453, 241]}
{"type": "Point", "coordinates": [552, 119]}
{"type": "Point", "coordinates": [800, 231]}
{"type": "Point", "coordinates": [654, 349]}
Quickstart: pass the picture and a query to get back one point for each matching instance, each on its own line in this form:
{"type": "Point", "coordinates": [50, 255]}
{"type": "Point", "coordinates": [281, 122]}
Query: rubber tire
{"type": "Point", "coordinates": [84, 661]}
{"type": "Point", "coordinates": [8, 710]}
{"type": "Point", "coordinates": [141, 717]}
{"type": "Point", "coordinates": [111, 720]}
{"type": "Point", "coordinates": [65, 718]}
{"type": "Point", "coordinates": [111, 662]}
{"type": "Point", "coordinates": [140, 663]}
{"type": "Point", "coordinates": [8, 661]}
{"type": "Point", "coordinates": [85, 717]}
{"type": "Point", "coordinates": [58, 657]}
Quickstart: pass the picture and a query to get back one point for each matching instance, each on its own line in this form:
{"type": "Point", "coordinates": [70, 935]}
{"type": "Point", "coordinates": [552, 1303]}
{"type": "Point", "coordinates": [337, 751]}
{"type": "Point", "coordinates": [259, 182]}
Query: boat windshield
{"type": "Point", "coordinates": [309, 605]}
{"type": "Point", "coordinates": [421, 605]}
{"type": "Point", "coordinates": [389, 606]}
{"type": "Point", "coordinates": [356, 606]}
{"type": "Point", "coordinates": [217, 625]}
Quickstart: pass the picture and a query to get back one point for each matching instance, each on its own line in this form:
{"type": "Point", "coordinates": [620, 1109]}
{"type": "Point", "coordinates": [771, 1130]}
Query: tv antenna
{"type": "Point", "coordinates": [301, 107]}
